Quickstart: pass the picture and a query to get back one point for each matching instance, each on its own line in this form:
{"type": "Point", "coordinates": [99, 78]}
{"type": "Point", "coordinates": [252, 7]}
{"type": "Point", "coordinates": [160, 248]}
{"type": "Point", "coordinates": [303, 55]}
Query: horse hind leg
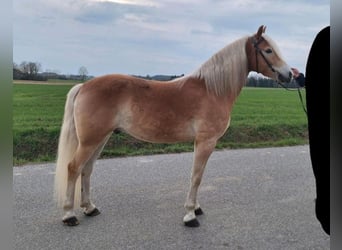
{"type": "Point", "coordinates": [89, 207]}
{"type": "Point", "coordinates": [202, 152]}
{"type": "Point", "coordinates": [80, 159]}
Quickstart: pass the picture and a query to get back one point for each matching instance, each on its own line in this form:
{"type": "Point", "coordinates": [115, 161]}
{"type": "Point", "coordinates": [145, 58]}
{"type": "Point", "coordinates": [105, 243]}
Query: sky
{"type": "Point", "coordinates": [149, 37]}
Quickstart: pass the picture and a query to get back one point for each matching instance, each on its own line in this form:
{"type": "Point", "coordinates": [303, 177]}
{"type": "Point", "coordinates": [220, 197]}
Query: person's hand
{"type": "Point", "coordinates": [298, 77]}
{"type": "Point", "coordinates": [295, 72]}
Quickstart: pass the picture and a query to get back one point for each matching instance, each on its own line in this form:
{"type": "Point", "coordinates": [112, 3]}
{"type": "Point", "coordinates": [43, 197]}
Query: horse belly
{"type": "Point", "coordinates": [159, 128]}
{"type": "Point", "coordinates": [158, 134]}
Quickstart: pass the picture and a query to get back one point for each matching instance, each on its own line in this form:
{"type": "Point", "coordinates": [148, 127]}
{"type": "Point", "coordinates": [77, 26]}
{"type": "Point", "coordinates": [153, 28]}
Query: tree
{"type": "Point", "coordinates": [17, 74]}
{"type": "Point", "coordinates": [30, 70]}
{"type": "Point", "coordinates": [83, 72]}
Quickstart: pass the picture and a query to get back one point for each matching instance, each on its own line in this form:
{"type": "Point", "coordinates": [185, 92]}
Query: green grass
{"type": "Point", "coordinates": [261, 117]}
{"type": "Point", "coordinates": [38, 106]}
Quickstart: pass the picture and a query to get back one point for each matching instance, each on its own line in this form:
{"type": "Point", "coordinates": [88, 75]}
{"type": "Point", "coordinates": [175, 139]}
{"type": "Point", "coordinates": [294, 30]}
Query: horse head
{"type": "Point", "coordinates": [265, 57]}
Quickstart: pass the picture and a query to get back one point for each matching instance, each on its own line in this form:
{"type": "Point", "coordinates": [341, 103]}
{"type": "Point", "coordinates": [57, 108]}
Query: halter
{"type": "Point", "coordinates": [258, 50]}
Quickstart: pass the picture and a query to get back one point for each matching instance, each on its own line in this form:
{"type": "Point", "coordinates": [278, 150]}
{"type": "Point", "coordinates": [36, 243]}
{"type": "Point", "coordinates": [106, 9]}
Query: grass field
{"type": "Point", "coordinates": [261, 117]}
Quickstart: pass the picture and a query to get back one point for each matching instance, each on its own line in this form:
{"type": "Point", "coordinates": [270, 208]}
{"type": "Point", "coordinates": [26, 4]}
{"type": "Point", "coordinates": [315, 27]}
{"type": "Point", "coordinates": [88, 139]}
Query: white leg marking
{"type": "Point", "coordinates": [69, 214]}
{"type": "Point", "coordinates": [189, 216]}
{"type": "Point", "coordinates": [90, 208]}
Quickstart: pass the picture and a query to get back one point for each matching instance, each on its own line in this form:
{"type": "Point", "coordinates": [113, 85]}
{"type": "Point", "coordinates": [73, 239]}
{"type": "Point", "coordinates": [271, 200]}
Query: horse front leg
{"type": "Point", "coordinates": [203, 150]}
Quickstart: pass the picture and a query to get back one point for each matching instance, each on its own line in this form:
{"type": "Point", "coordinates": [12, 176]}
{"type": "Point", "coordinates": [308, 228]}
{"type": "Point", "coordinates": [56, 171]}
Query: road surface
{"type": "Point", "coordinates": [252, 199]}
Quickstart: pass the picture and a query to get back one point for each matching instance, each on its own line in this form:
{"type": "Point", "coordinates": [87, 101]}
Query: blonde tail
{"type": "Point", "coordinates": [67, 146]}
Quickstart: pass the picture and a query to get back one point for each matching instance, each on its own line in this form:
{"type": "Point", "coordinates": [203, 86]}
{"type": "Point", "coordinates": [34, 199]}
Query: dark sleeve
{"type": "Point", "coordinates": [300, 80]}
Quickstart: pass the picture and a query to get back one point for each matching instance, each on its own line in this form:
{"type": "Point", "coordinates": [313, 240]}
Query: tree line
{"type": "Point", "coordinates": [32, 71]}
{"type": "Point", "coordinates": [265, 82]}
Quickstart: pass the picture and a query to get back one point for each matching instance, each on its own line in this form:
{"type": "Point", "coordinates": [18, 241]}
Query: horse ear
{"type": "Point", "coordinates": [261, 30]}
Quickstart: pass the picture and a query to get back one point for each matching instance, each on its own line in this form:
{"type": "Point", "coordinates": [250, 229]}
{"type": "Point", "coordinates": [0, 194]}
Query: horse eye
{"type": "Point", "coordinates": [268, 51]}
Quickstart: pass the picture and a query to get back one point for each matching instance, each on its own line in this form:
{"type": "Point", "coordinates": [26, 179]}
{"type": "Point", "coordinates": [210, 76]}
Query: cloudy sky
{"type": "Point", "coordinates": [156, 36]}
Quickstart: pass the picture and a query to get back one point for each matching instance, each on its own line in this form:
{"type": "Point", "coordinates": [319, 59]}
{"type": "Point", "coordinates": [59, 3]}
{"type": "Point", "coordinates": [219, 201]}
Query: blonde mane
{"type": "Point", "coordinates": [227, 70]}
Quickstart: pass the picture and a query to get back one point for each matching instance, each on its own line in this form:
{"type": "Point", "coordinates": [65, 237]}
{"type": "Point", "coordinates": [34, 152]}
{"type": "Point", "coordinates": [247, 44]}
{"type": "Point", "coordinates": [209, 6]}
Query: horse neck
{"type": "Point", "coordinates": [225, 73]}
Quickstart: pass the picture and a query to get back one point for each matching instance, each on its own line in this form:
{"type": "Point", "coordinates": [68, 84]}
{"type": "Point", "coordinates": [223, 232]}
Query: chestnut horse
{"type": "Point", "coordinates": [195, 108]}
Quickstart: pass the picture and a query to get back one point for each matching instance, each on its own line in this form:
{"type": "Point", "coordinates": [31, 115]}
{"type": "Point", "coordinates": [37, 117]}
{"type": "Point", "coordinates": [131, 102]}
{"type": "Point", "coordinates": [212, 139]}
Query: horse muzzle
{"type": "Point", "coordinates": [284, 78]}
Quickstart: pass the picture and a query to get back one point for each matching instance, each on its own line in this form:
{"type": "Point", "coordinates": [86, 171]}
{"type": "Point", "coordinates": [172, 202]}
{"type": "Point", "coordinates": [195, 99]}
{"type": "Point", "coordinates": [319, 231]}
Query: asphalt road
{"type": "Point", "coordinates": [252, 199]}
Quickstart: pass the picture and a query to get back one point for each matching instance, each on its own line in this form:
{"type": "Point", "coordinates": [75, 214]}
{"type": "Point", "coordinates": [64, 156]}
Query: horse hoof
{"type": "Point", "coordinates": [93, 213]}
{"type": "Point", "coordinates": [72, 221]}
{"type": "Point", "coordinates": [199, 211]}
{"type": "Point", "coordinates": [192, 223]}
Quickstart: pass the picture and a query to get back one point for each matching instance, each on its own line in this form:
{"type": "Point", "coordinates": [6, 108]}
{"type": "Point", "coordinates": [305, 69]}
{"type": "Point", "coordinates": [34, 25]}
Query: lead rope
{"type": "Point", "coordinates": [299, 94]}
{"type": "Point", "coordinates": [301, 100]}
